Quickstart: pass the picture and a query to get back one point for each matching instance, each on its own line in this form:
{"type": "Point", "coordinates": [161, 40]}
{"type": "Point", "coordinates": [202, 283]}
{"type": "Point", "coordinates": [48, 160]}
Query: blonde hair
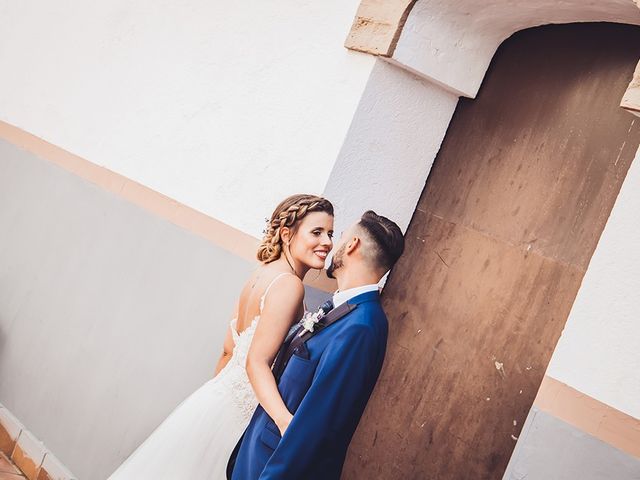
{"type": "Point", "coordinates": [287, 214]}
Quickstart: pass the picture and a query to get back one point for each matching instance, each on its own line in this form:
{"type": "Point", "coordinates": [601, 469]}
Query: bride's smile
{"type": "Point", "coordinates": [312, 241]}
{"type": "Point", "coordinates": [321, 253]}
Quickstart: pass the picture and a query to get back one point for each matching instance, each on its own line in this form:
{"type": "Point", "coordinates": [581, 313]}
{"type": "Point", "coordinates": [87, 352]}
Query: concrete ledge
{"type": "Point", "coordinates": [27, 452]}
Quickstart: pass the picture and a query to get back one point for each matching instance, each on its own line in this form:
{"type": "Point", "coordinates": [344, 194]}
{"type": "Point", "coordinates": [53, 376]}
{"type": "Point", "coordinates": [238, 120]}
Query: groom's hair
{"type": "Point", "coordinates": [386, 242]}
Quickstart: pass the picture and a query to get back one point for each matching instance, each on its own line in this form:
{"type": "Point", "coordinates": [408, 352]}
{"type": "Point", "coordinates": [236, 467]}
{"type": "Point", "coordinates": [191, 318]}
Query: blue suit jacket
{"type": "Point", "coordinates": [327, 394]}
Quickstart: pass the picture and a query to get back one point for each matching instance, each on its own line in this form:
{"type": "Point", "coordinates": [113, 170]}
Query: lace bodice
{"type": "Point", "coordinates": [234, 374]}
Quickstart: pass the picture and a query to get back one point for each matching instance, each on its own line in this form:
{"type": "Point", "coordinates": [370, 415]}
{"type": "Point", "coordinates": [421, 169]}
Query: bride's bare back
{"type": "Point", "coordinates": [254, 293]}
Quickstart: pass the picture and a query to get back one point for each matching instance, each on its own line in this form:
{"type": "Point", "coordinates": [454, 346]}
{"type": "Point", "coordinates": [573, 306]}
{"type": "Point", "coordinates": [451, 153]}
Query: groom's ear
{"type": "Point", "coordinates": [352, 245]}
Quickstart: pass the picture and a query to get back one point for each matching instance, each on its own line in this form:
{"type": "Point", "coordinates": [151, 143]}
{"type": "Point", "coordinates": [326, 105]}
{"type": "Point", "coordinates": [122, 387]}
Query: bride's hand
{"type": "Point", "coordinates": [283, 423]}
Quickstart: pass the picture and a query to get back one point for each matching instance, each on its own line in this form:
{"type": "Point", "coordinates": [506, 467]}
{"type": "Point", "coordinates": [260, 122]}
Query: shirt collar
{"type": "Point", "coordinates": [342, 296]}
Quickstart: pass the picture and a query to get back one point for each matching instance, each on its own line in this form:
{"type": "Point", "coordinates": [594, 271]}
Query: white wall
{"type": "Point", "coordinates": [599, 351]}
{"type": "Point", "coordinates": [394, 138]}
{"type": "Point", "coordinates": [224, 106]}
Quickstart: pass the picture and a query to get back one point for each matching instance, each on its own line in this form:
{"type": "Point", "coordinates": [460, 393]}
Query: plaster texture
{"type": "Point", "coordinates": [109, 316]}
{"type": "Point", "coordinates": [598, 352]}
{"type": "Point", "coordinates": [453, 42]}
{"type": "Point", "coordinates": [222, 106]}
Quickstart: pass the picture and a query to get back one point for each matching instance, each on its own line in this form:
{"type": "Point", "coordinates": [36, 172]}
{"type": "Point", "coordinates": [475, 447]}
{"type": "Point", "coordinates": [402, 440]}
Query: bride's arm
{"type": "Point", "coordinates": [227, 347]}
{"type": "Point", "coordinates": [227, 351]}
{"type": "Point", "coordinates": [282, 309]}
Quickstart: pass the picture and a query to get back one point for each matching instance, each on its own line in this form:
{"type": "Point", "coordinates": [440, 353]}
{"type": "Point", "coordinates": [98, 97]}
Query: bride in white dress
{"type": "Point", "coordinates": [197, 438]}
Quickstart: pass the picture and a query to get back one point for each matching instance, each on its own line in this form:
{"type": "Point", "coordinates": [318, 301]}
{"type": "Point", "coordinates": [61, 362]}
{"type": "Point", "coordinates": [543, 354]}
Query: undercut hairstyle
{"type": "Point", "coordinates": [288, 214]}
{"type": "Point", "coordinates": [386, 239]}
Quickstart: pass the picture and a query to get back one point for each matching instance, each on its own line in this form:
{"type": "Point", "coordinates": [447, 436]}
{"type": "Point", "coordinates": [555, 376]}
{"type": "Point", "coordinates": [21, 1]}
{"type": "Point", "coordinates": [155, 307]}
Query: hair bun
{"type": "Point", "coordinates": [287, 214]}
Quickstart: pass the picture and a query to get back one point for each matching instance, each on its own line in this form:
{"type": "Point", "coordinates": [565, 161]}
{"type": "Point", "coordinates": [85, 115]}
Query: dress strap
{"type": "Point", "coordinates": [266, 291]}
{"type": "Point", "coordinates": [234, 329]}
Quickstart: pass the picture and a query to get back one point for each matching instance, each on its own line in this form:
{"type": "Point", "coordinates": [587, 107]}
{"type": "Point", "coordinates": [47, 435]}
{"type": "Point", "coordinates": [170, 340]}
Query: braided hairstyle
{"type": "Point", "coordinates": [287, 214]}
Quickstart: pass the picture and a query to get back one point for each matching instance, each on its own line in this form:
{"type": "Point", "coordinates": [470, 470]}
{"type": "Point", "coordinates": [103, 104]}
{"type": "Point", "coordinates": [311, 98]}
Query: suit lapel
{"type": "Point", "coordinates": [299, 344]}
{"type": "Point", "coordinates": [300, 336]}
{"type": "Point", "coordinates": [331, 317]}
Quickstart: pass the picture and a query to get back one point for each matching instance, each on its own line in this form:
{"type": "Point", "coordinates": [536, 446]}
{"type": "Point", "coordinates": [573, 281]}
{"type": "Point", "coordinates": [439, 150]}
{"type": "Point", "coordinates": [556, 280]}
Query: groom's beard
{"type": "Point", "coordinates": [336, 262]}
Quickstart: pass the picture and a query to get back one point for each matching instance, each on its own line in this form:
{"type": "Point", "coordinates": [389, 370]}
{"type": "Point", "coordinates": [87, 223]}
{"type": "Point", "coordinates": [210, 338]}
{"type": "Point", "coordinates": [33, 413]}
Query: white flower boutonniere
{"type": "Point", "coordinates": [309, 321]}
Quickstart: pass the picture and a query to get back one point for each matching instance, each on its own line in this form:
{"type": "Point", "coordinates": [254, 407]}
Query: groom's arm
{"type": "Point", "coordinates": [332, 407]}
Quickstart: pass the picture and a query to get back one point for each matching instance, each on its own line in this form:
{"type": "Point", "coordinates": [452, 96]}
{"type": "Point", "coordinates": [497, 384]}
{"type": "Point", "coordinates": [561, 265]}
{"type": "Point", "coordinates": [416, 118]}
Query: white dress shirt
{"type": "Point", "coordinates": [342, 296]}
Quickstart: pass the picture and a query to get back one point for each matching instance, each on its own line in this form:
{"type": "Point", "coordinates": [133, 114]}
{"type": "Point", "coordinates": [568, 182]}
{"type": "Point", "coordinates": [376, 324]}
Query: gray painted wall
{"type": "Point", "coordinates": [109, 316]}
{"type": "Point", "coordinates": [550, 449]}
{"type": "Point", "coordinates": [313, 298]}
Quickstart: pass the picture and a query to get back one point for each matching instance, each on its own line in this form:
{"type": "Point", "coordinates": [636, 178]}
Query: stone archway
{"type": "Point", "coordinates": [452, 43]}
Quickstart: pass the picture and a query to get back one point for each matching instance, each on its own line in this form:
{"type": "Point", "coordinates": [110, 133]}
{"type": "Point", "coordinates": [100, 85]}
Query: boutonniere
{"type": "Point", "coordinates": [310, 320]}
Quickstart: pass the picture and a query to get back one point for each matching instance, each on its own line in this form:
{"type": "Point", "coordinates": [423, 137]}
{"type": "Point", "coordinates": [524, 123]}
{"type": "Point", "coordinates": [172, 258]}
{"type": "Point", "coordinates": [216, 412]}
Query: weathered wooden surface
{"type": "Point", "coordinates": [503, 233]}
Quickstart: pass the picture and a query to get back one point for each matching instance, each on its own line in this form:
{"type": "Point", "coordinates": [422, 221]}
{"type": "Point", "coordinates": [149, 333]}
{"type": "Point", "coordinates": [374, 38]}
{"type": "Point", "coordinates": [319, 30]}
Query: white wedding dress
{"type": "Point", "coordinates": [197, 438]}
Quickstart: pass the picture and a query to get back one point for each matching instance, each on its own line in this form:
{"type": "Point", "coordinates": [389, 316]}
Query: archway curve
{"type": "Point", "coordinates": [452, 43]}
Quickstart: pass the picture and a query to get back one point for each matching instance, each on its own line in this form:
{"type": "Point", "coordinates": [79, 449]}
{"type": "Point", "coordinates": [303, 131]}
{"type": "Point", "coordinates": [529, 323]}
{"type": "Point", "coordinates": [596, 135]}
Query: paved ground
{"type": "Point", "coordinates": [8, 471]}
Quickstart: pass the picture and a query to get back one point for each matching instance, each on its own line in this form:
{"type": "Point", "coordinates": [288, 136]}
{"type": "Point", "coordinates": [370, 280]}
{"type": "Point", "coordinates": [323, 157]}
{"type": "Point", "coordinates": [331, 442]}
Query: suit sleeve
{"type": "Point", "coordinates": [333, 405]}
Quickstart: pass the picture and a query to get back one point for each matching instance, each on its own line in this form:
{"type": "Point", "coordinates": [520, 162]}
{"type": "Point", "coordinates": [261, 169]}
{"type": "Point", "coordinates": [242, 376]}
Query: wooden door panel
{"type": "Point", "coordinates": [442, 380]}
{"type": "Point", "coordinates": [540, 155]}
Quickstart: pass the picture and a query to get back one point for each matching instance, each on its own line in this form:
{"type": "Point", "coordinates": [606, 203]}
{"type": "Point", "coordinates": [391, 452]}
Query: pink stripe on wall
{"type": "Point", "coordinates": [219, 233]}
{"type": "Point", "coordinates": [589, 415]}
{"type": "Point", "coordinates": [215, 231]}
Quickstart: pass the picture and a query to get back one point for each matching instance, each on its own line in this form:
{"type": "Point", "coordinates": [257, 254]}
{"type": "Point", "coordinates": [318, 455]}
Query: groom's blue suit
{"type": "Point", "coordinates": [327, 394]}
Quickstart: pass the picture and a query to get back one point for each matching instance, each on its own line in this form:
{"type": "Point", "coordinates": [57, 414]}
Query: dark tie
{"type": "Point", "coordinates": [326, 307]}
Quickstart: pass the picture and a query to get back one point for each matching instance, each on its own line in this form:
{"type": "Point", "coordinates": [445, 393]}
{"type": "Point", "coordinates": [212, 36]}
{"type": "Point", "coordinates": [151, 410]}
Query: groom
{"type": "Point", "coordinates": [326, 376]}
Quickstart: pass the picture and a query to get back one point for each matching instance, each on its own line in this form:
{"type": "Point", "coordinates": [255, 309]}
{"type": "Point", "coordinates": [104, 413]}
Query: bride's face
{"type": "Point", "coordinates": [312, 242]}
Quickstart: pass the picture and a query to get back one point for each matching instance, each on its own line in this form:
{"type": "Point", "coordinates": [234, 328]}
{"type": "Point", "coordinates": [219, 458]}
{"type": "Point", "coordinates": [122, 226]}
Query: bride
{"type": "Point", "coordinates": [197, 438]}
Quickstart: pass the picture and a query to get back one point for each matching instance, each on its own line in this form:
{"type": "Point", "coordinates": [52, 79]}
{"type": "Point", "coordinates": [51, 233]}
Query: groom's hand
{"type": "Point", "coordinates": [331, 408]}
